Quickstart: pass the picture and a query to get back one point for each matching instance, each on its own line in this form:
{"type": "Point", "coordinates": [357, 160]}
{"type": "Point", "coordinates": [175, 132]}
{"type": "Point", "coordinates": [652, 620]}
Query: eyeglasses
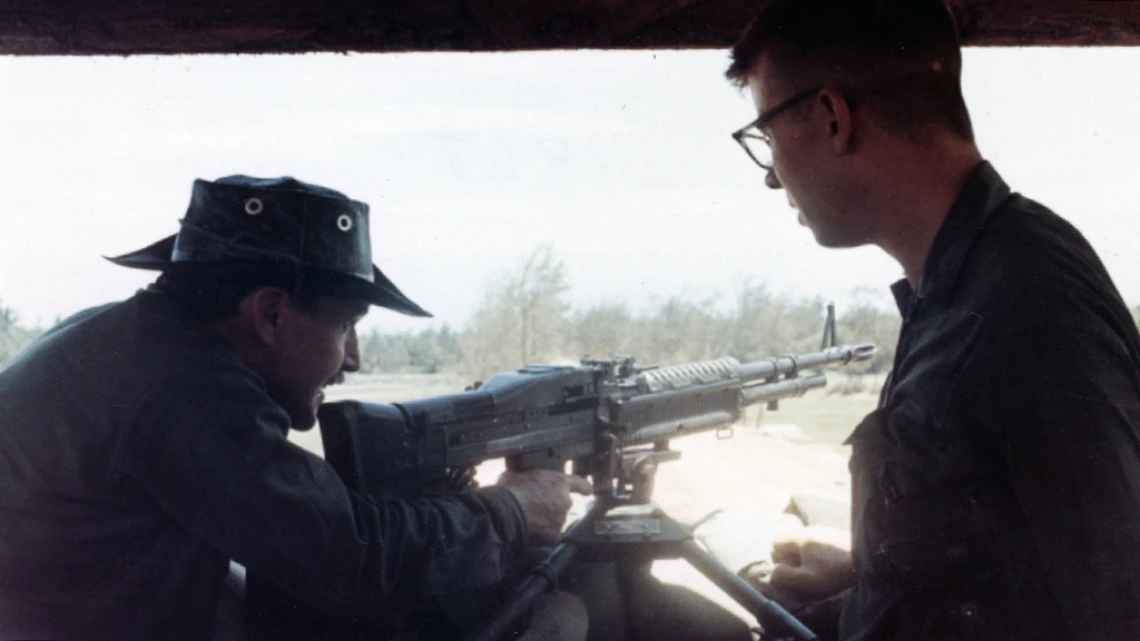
{"type": "Point", "coordinates": [755, 142]}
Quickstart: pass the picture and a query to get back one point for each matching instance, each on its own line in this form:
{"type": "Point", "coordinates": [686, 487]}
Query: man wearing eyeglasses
{"type": "Point", "coordinates": [996, 489]}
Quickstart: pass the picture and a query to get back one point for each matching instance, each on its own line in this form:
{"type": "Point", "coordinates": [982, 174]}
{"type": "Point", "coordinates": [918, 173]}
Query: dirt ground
{"type": "Point", "coordinates": [770, 456]}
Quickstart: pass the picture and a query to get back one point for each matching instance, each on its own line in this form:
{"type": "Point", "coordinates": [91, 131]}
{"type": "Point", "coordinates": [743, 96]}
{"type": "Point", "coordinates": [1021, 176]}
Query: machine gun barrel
{"type": "Point", "coordinates": [787, 388]}
{"type": "Point", "coordinates": [696, 397]}
{"type": "Point", "coordinates": [680, 412]}
{"type": "Point", "coordinates": [791, 365]}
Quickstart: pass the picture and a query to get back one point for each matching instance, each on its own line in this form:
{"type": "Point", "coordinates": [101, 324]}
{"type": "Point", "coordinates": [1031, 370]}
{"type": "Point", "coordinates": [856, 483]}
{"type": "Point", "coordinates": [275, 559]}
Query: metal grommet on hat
{"type": "Point", "coordinates": [343, 222]}
{"type": "Point", "coordinates": [254, 206]}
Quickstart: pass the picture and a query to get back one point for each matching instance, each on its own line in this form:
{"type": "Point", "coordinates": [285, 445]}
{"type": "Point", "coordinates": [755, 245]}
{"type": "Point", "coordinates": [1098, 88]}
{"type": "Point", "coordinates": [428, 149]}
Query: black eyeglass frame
{"type": "Point", "coordinates": [740, 134]}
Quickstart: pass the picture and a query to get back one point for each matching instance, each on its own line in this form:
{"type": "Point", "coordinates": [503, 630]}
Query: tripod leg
{"type": "Point", "coordinates": [776, 621]}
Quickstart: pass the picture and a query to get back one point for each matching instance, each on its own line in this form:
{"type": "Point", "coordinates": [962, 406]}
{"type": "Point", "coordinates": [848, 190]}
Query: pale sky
{"type": "Point", "coordinates": [621, 160]}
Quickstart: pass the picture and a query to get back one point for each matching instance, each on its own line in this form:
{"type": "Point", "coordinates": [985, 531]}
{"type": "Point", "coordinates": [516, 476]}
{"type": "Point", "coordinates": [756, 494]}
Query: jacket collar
{"type": "Point", "coordinates": [972, 212]}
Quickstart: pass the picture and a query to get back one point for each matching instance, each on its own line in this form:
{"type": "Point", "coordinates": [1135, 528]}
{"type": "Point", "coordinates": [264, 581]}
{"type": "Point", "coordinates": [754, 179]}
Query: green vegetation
{"type": "Point", "coordinates": [526, 318]}
{"type": "Point", "coordinates": [13, 336]}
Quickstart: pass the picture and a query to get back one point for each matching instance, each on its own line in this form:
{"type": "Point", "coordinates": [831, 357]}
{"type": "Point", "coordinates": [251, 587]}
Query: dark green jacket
{"type": "Point", "coordinates": [138, 456]}
{"type": "Point", "coordinates": [997, 488]}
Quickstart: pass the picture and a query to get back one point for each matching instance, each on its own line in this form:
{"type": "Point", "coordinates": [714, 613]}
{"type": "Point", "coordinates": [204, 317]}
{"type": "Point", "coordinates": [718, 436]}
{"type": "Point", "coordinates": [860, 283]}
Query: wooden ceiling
{"type": "Point", "coordinates": [95, 27]}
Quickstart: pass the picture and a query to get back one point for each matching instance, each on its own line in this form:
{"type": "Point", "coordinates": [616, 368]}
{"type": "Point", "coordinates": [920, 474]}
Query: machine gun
{"type": "Point", "coordinates": [610, 419]}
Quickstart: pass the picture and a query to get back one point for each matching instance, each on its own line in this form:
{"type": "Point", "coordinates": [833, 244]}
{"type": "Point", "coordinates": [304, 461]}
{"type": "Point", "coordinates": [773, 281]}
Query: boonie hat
{"type": "Point", "coordinates": [320, 232]}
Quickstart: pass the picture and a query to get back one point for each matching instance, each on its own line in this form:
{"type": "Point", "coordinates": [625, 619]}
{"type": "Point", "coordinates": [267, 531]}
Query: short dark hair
{"type": "Point", "coordinates": [902, 57]}
{"type": "Point", "coordinates": [212, 291]}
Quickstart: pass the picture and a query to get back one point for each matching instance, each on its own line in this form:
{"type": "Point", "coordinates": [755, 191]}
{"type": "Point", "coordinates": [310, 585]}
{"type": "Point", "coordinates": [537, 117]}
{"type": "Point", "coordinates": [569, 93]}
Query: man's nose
{"type": "Point", "coordinates": [772, 181]}
{"type": "Point", "coordinates": [351, 353]}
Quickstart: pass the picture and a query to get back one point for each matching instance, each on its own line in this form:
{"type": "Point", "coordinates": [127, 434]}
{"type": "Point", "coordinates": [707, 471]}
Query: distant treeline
{"type": "Point", "coordinates": [670, 332]}
{"type": "Point", "coordinates": [526, 318]}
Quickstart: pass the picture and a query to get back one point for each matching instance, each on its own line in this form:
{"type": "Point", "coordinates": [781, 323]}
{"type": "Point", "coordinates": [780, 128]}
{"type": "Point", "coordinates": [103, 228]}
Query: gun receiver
{"type": "Point", "coordinates": [541, 416]}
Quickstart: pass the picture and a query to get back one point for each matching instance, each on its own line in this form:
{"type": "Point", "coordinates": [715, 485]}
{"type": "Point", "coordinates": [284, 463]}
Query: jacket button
{"type": "Point", "coordinates": [970, 616]}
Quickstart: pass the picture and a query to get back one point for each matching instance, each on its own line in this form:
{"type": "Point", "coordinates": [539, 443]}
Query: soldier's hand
{"type": "Point", "coordinates": [814, 563]}
{"type": "Point", "coordinates": [544, 496]}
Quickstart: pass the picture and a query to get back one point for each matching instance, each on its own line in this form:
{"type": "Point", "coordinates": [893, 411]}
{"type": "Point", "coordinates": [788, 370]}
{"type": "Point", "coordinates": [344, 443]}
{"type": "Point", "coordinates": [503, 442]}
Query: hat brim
{"type": "Point", "coordinates": [155, 256]}
{"type": "Point", "coordinates": [381, 292]}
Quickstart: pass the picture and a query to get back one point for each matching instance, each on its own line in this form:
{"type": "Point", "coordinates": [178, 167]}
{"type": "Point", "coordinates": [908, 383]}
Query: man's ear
{"type": "Point", "coordinates": [262, 310]}
{"type": "Point", "coordinates": [839, 120]}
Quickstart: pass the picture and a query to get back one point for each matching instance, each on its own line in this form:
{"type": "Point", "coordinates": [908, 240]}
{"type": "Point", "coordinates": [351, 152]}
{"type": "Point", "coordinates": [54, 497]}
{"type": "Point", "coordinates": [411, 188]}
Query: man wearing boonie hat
{"type": "Point", "coordinates": [143, 443]}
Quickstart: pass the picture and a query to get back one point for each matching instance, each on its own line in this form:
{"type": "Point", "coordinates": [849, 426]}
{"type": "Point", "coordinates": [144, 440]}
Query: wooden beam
{"type": "Point", "coordinates": [94, 27]}
{"type": "Point", "coordinates": [1048, 23]}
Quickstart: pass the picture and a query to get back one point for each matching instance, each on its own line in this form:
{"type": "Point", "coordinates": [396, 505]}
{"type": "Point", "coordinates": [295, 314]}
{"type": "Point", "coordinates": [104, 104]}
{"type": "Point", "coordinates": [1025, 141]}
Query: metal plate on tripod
{"type": "Point", "coordinates": [627, 527]}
